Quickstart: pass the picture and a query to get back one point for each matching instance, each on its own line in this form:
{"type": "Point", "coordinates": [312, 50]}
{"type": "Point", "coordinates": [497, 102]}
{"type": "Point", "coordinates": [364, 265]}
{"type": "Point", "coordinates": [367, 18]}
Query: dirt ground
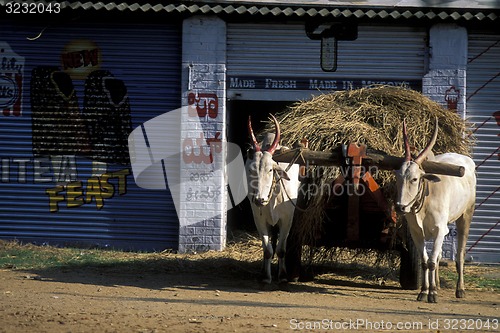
{"type": "Point", "coordinates": [194, 293]}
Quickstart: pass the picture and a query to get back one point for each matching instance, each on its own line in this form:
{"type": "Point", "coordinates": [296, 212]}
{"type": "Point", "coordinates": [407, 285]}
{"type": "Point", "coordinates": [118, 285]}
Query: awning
{"type": "Point", "coordinates": [389, 9]}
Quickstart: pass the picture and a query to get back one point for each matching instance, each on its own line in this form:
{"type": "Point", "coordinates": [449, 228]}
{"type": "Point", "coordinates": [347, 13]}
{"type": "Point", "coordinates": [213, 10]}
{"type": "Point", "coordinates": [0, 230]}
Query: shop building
{"type": "Point", "coordinates": [228, 60]}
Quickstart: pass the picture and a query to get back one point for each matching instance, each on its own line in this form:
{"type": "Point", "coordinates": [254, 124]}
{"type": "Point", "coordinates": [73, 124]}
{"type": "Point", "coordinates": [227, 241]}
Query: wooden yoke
{"type": "Point", "coordinates": [376, 158]}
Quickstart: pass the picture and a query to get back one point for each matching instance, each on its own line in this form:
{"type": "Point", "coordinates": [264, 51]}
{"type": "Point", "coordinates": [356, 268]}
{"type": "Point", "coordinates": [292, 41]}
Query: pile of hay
{"type": "Point", "coordinates": [372, 116]}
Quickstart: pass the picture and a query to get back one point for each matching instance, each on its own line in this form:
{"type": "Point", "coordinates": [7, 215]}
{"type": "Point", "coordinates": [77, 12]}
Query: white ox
{"type": "Point", "coordinates": [430, 203]}
{"type": "Point", "coordinates": [272, 194]}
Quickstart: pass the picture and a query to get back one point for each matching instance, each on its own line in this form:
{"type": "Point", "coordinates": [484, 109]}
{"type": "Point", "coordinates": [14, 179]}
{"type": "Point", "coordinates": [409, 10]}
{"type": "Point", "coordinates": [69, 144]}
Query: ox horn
{"type": "Point", "coordinates": [256, 146]}
{"type": "Point", "coordinates": [407, 145]}
{"type": "Point", "coordinates": [276, 141]}
{"type": "Point", "coordinates": [421, 157]}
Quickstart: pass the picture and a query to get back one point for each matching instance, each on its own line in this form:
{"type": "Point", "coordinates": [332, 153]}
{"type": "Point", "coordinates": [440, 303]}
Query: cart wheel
{"type": "Point", "coordinates": [410, 271]}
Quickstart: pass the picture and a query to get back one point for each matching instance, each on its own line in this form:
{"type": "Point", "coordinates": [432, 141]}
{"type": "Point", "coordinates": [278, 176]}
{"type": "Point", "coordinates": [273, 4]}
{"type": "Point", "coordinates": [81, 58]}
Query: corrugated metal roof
{"type": "Point", "coordinates": [403, 9]}
{"type": "Point", "coordinates": [463, 4]}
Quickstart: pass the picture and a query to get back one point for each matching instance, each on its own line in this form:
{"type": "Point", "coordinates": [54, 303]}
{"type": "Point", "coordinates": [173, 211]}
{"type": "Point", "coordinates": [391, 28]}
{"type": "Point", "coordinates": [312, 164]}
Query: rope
{"type": "Point", "coordinates": [298, 153]}
{"type": "Point", "coordinates": [289, 198]}
{"type": "Point", "coordinates": [418, 201]}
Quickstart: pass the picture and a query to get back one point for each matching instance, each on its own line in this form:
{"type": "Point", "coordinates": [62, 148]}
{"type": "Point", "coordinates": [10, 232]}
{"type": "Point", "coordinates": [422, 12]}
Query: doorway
{"type": "Point", "coordinates": [240, 217]}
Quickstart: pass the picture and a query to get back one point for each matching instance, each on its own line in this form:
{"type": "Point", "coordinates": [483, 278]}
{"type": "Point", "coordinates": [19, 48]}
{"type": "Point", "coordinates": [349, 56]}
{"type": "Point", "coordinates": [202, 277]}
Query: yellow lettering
{"type": "Point", "coordinates": [55, 198]}
{"type": "Point", "coordinates": [122, 180]}
{"type": "Point", "coordinates": [98, 189]}
{"type": "Point", "coordinates": [107, 189]}
{"type": "Point", "coordinates": [74, 193]}
{"type": "Point", "coordinates": [94, 191]}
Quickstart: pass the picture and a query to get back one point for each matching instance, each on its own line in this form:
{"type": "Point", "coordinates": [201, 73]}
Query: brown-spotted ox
{"type": "Point", "coordinates": [272, 191]}
{"type": "Point", "coordinates": [430, 203]}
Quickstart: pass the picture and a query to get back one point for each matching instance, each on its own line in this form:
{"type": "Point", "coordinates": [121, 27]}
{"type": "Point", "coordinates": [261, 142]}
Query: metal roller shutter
{"type": "Point", "coordinates": [65, 169]}
{"type": "Point", "coordinates": [379, 55]}
{"type": "Point", "coordinates": [483, 110]}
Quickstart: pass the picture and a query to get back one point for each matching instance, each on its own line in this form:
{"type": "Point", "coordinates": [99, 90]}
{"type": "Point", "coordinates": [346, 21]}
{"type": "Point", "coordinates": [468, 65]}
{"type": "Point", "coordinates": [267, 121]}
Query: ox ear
{"type": "Point", "coordinates": [281, 172]}
{"type": "Point", "coordinates": [431, 177]}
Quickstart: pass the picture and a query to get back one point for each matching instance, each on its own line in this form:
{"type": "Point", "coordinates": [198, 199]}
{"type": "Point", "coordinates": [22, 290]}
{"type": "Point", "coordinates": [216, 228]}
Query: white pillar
{"type": "Point", "coordinates": [203, 89]}
{"type": "Point", "coordinates": [445, 83]}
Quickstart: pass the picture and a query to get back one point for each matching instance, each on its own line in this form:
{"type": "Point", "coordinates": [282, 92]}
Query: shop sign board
{"type": "Point", "coordinates": [313, 83]}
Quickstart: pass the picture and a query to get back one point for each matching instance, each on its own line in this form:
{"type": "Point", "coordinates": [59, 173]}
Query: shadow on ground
{"type": "Point", "coordinates": [224, 274]}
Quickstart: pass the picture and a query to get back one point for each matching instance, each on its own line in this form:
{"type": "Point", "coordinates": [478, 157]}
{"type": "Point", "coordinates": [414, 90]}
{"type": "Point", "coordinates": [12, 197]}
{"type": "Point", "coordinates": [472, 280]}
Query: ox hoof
{"type": "Point", "coordinates": [283, 278]}
{"type": "Point", "coordinates": [460, 293]}
{"type": "Point", "coordinates": [432, 298]}
{"type": "Point", "coordinates": [265, 278]}
{"type": "Point", "coordinates": [266, 281]}
{"type": "Point", "coordinates": [422, 296]}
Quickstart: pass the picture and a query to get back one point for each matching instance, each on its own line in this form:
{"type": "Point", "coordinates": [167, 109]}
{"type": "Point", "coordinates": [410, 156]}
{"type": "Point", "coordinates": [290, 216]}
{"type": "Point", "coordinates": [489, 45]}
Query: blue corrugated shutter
{"type": "Point", "coordinates": [483, 110]}
{"type": "Point", "coordinates": [380, 54]}
{"type": "Point", "coordinates": [65, 177]}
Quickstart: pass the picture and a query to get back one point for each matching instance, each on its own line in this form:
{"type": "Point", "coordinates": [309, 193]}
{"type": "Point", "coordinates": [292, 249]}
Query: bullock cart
{"type": "Point", "coordinates": [357, 215]}
{"type": "Point", "coordinates": [346, 193]}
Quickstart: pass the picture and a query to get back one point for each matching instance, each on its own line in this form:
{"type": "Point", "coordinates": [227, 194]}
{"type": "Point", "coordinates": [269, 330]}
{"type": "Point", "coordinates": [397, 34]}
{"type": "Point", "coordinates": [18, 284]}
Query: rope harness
{"type": "Point", "coordinates": [277, 178]}
{"type": "Point", "coordinates": [418, 202]}
{"type": "Point", "coordinates": [289, 198]}
{"type": "Point", "coordinates": [298, 154]}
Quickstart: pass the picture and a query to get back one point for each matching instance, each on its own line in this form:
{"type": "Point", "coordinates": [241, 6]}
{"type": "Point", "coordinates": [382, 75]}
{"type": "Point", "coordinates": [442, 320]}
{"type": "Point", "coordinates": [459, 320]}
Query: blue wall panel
{"type": "Point", "coordinates": [65, 177]}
